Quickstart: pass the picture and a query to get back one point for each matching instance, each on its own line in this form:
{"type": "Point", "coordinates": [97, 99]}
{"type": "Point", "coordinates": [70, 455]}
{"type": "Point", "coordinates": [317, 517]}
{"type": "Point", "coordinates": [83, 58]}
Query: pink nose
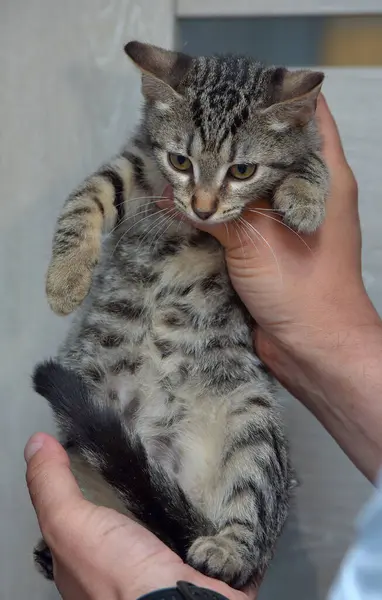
{"type": "Point", "coordinates": [205, 211]}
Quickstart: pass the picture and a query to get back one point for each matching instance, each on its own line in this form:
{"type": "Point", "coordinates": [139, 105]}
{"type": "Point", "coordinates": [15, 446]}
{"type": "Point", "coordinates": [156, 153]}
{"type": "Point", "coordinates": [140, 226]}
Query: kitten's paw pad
{"type": "Point", "coordinates": [68, 282]}
{"type": "Point", "coordinates": [43, 560]}
{"type": "Point", "coordinates": [222, 558]}
{"type": "Point", "coordinates": [302, 205]}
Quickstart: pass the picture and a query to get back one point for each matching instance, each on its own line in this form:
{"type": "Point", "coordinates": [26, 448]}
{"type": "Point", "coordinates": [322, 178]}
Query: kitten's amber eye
{"type": "Point", "coordinates": [242, 171]}
{"type": "Point", "coordinates": [180, 162]}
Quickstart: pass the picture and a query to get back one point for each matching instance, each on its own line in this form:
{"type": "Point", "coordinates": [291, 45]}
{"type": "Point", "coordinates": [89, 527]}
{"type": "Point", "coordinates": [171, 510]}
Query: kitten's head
{"type": "Point", "coordinates": [224, 130]}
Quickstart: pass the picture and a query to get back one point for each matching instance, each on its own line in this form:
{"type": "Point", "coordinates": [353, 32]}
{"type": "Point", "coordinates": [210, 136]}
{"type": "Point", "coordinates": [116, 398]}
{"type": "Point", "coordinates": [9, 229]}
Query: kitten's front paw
{"type": "Point", "coordinates": [68, 281]}
{"type": "Point", "coordinates": [222, 558]}
{"type": "Point", "coordinates": [301, 204]}
{"type": "Point", "coordinates": [43, 560]}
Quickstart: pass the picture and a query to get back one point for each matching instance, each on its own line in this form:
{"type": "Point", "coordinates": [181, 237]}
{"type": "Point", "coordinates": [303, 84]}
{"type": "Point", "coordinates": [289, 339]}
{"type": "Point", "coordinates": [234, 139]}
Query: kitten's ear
{"type": "Point", "coordinates": [298, 98]}
{"type": "Point", "coordinates": [162, 70]}
{"type": "Point", "coordinates": [158, 91]}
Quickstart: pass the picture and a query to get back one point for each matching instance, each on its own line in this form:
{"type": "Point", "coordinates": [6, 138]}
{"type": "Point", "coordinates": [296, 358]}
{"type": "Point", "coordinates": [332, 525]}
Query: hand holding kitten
{"type": "Point", "coordinates": [97, 552]}
{"type": "Point", "coordinates": [301, 286]}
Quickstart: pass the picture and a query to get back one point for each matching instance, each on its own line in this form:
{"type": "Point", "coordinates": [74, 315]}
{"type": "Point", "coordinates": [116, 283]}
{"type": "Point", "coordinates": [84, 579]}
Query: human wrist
{"type": "Point", "coordinates": [325, 348]}
{"type": "Point", "coordinates": [342, 388]}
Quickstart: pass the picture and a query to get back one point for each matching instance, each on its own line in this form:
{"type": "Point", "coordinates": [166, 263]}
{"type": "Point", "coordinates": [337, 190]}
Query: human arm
{"type": "Point", "coordinates": [338, 377]}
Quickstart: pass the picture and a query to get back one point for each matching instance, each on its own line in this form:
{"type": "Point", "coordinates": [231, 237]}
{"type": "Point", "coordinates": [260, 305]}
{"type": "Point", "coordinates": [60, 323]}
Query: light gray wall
{"type": "Point", "coordinates": [68, 97]}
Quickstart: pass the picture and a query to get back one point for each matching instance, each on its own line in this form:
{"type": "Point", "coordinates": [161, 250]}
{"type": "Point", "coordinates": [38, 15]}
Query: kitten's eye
{"type": "Point", "coordinates": [242, 171]}
{"type": "Point", "coordinates": [179, 162]}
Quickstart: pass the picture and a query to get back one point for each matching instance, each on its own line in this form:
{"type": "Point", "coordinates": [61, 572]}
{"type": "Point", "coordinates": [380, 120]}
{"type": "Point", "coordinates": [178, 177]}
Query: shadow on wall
{"type": "Point", "coordinates": [297, 574]}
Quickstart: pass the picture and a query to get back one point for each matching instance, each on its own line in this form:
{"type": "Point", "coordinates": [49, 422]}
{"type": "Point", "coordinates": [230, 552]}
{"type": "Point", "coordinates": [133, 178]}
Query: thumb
{"type": "Point", "coordinates": [52, 486]}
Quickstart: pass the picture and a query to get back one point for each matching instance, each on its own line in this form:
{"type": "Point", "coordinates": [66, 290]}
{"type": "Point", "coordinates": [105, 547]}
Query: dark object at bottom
{"type": "Point", "coordinates": [43, 559]}
{"type": "Point", "coordinates": [183, 591]}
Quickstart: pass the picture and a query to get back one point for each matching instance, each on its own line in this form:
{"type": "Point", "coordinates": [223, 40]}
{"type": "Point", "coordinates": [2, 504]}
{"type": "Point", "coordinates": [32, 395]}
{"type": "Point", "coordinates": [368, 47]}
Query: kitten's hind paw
{"type": "Point", "coordinates": [43, 560]}
{"type": "Point", "coordinates": [221, 557]}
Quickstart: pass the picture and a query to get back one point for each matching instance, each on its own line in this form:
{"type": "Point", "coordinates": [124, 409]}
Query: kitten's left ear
{"type": "Point", "coordinates": [298, 98]}
{"type": "Point", "coordinates": [162, 70]}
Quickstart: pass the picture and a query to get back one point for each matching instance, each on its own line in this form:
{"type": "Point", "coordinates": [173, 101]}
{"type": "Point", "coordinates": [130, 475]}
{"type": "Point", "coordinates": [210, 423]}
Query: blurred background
{"type": "Point", "coordinates": [301, 40]}
{"type": "Point", "coordinates": [68, 99]}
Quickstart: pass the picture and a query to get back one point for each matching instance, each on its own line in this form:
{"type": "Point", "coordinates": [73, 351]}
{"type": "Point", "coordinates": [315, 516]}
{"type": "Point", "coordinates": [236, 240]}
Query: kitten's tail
{"type": "Point", "coordinates": [97, 433]}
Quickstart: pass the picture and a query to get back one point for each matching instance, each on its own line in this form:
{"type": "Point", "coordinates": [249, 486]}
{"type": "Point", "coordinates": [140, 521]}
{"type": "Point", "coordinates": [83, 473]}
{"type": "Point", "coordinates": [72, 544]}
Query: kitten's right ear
{"type": "Point", "coordinates": [298, 99]}
{"type": "Point", "coordinates": [162, 70]}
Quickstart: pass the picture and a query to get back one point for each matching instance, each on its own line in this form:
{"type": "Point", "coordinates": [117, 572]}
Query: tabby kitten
{"type": "Point", "coordinates": [165, 410]}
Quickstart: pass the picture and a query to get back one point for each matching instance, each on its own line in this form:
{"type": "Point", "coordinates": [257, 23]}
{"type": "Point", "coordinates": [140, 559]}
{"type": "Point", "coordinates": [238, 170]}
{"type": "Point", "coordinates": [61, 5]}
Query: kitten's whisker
{"type": "Point", "coordinates": [287, 226]}
{"type": "Point", "coordinates": [241, 241]}
{"type": "Point", "coordinates": [154, 227]}
{"type": "Point", "coordinates": [267, 244]}
{"type": "Point", "coordinates": [249, 237]}
{"type": "Point", "coordinates": [180, 220]}
{"type": "Point", "coordinates": [149, 197]}
{"type": "Point", "coordinates": [129, 217]}
{"type": "Point", "coordinates": [143, 198]}
{"type": "Point", "coordinates": [167, 218]}
{"type": "Point", "coordinates": [172, 218]}
{"type": "Point", "coordinates": [264, 209]}
{"type": "Point", "coordinates": [134, 225]}
{"type": "Point", "coordinates": [227, 230]}
{"type": "Point", "coordinates": [130, 228]}
{"type": "Point", "coordinates": [156, 224]}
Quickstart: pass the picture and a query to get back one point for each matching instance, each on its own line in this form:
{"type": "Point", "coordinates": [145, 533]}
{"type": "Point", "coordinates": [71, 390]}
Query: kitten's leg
{"type": "Point", "coordinates": [248, 494]}
{"type": "Point", "coordinates": [301, 197]}
{"type": "Point", "coordinates": [96, 206]}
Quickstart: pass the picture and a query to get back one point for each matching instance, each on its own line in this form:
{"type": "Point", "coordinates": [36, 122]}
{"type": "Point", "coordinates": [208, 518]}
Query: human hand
{"type": "Point", "coordinates": [97, 552]}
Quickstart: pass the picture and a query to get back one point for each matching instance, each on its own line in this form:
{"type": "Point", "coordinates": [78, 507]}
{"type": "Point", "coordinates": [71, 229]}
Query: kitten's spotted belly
{"type": "Point", "coordinates": [170, 355]}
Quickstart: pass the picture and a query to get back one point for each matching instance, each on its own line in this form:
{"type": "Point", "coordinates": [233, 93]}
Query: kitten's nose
{"type": "Point", "coordinates": [203, 214]}
{"type": "Point", "coordinates": [204, 205]}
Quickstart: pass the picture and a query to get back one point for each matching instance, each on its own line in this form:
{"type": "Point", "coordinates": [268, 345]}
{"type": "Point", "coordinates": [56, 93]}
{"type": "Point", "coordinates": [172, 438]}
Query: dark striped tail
{"type": "Point", "coordinates": [96, 432]}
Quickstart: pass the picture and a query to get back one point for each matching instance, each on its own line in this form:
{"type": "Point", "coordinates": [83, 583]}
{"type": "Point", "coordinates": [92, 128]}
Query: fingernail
{"type": "Point", "coordinates": [33, 445]}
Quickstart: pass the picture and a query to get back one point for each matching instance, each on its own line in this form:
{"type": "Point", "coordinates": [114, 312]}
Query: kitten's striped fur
{"type": "Point", "coordinates": [166, 411]}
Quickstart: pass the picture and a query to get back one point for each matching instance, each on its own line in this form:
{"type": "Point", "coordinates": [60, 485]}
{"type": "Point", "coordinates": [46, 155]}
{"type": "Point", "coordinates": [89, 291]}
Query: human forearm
{"type": "Point", "coordinates": [339, 379]}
